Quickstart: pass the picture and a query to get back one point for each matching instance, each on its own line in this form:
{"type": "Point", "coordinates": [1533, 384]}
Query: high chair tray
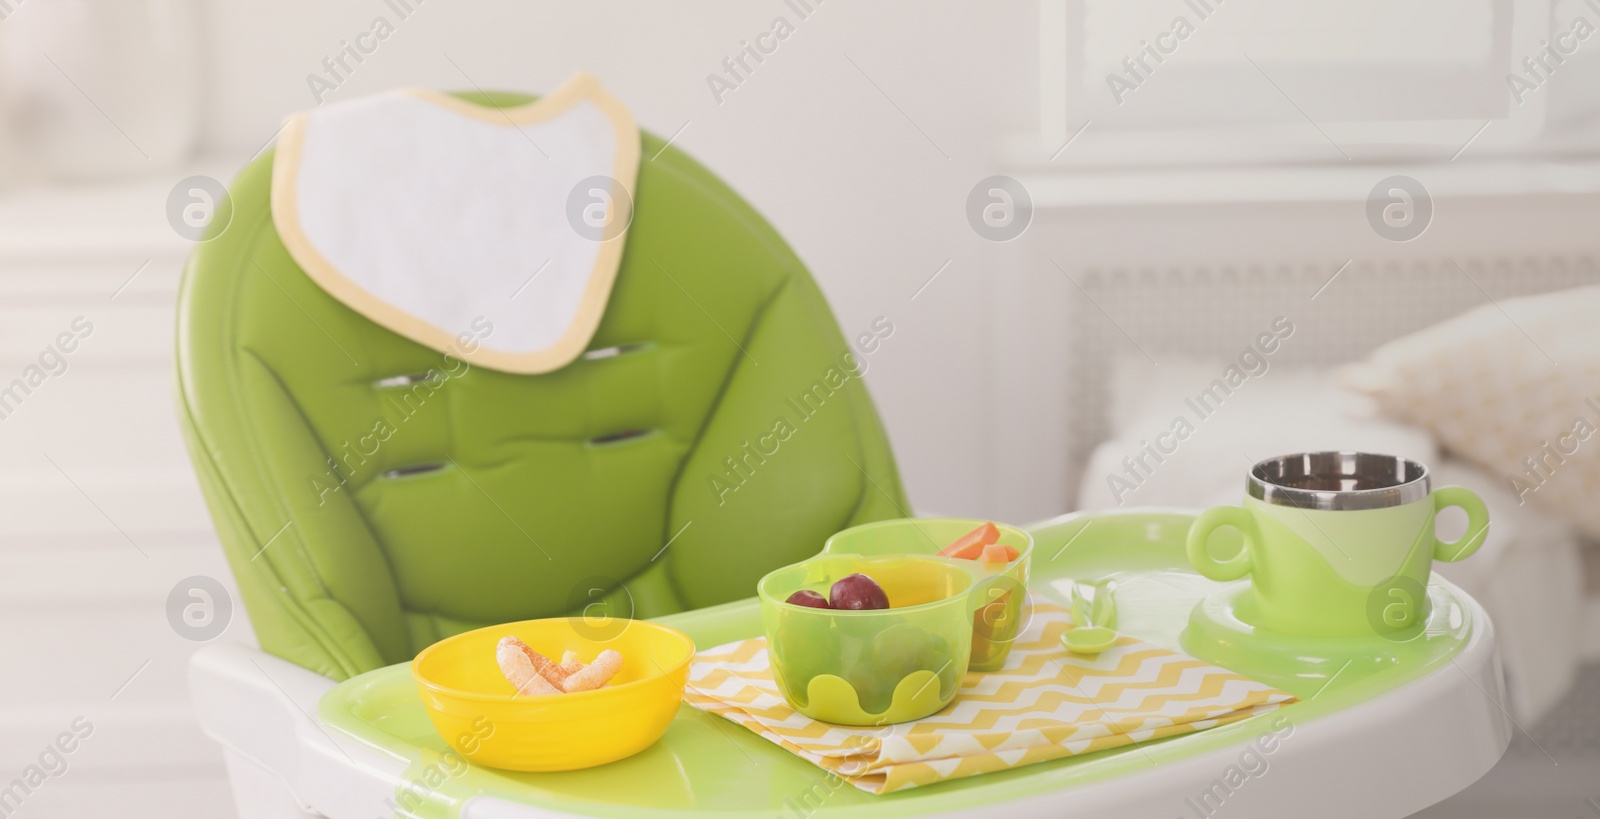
{"type": "Point", "coordinates": [1381, 736]}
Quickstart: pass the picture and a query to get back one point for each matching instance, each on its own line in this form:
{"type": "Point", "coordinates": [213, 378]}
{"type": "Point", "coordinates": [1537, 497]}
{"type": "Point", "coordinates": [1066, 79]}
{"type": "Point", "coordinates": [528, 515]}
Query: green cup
{"type": "Point", "coordinates": [1336, 544]}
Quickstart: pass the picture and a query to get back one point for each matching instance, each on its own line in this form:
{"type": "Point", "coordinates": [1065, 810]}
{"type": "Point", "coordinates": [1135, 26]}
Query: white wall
{"type": "Point", "coordinates": [100, 514]}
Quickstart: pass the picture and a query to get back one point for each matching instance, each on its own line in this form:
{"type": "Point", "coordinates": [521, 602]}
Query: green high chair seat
{"type": "Point", "coordinates": [374, 496]}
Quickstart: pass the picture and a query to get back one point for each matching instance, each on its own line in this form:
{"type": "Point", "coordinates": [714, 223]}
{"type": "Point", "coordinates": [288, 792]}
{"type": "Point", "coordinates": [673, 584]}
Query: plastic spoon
{"type": "Point", "coordinates": [1094, 621]}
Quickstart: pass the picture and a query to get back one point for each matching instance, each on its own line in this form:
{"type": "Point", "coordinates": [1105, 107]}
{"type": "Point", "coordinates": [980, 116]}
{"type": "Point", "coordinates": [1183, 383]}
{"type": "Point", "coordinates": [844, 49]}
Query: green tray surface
{"type": "Point", "coordinates": [707, 765]}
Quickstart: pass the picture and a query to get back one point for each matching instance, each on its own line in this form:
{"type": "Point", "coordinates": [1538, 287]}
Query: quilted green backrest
{"type": "Point", "coordinates": [374, 496]}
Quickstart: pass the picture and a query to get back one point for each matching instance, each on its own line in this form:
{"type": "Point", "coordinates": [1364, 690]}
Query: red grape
{"type": "Point", "coordinates": [858, 593]}
{"type": "Point", "coordinates": [808, 598]}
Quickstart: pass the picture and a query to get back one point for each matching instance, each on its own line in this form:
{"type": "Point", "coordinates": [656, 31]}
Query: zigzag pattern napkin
{"type": "Point", "coordinates": [1046, 703]}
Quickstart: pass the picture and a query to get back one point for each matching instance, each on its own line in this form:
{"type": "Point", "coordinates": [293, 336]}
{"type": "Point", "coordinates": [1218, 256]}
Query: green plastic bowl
{"type": "Point", "coordinates": [871, 667]}
{"type": "Point", "coordinates": [947, 616]}
{"type": "Point", "coordinates": [996, 624]}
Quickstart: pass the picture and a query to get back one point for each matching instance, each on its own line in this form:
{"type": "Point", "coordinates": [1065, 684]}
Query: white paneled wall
{"type": "Point", "coordinates": [100, 514]}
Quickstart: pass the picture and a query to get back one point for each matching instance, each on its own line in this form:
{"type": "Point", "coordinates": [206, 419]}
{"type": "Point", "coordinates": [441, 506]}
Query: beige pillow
{"type": "Point", "coordinates": [1513, 386]}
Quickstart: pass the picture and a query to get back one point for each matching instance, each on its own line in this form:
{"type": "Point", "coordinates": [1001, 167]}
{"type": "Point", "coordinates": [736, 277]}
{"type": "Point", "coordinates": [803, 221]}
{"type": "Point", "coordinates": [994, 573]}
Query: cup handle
{"type": "Point", "coordinates": [1477, 522]}
{"type": "Point", "coordinates": [1211, 520]}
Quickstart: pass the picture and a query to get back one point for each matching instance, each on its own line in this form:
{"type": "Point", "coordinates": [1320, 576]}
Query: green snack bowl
{"type": "Point", "coordinates": [871, 667]}
{"type": "Point", "coordinates": [1005, 586]}
{"type": "Point", "coordinates": [887, 666]}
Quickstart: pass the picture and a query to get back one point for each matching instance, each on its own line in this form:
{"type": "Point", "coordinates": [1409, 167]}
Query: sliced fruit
{"type": "Point", "coordinates": [970, 545]}
{"type": "Point", "coordinates": [809, 599]}
{"type": "Point", "coordinates": [999, 553]}
{"type": "Point", "coordinates": [857, 593]}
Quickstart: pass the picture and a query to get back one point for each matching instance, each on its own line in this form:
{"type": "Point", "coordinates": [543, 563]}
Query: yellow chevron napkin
{"type": "Point", "coordinates": [1046, 703]}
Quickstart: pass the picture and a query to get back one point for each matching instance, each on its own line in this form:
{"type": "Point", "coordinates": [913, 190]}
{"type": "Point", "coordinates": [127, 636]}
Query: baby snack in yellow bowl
{"type": "Point", "coordinates": [533, 673]}
{"type": "Point", "coordinates": [526, 712]}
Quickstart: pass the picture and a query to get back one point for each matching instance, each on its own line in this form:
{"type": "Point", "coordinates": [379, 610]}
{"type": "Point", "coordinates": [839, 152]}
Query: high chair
{"type": "Point", "coordinates": [640, 480]}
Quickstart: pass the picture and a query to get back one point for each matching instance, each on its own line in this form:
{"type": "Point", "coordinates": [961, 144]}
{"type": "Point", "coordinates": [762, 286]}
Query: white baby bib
{"type": "Point", "coordinates": [431, 215]}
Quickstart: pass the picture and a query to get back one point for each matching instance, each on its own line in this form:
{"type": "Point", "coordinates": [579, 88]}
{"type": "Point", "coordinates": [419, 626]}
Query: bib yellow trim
{"type": "Point", "coordinates": [625, 169]}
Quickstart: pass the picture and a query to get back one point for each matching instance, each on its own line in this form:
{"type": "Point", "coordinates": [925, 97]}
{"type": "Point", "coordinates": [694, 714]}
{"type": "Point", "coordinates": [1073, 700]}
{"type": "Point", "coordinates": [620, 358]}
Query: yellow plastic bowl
{"type": "Point", "coordinates": [483, 718]}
